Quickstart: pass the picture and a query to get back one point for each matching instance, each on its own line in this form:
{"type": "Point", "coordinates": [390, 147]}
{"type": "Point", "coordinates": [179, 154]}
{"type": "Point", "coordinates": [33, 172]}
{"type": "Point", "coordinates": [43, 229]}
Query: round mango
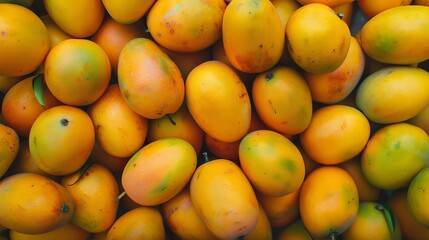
{"type": "Point", "coordinates": [34, 204]}
{"type": "Point", "coordinates": [77, 71]}
{"type": "Point", "coordinates": [283, 100]}
{"type": "Point", "coordinates": [61, 140]}
{"type": "Point", "coordinates": [394, 155]}
{"type": "Point", "coordinates": [218, 101]}
{"type": "Point", "coordinates": [94, 191]}
{"type": "Point", "coordinates": [186, 25]}
{"type": "Point", "coordinates": [119, 130]}
{"type": "Point", "coordinates": [159, 171]}
{"type": "Point", "coordinates": [149, 80]}
{"type": "Point", "coordinates": [224, 199]}
{"type": "Point", "coordinates": [271, 162]}
{"type": "Point", "coordinates": [336, 133]}
{"type": "Point", "coordinates": [398, 35]}
{"type": "Point", "coordinates": [79, 18]}
{"type": "Point", "coordinates": [318, 40]}
{"type": "Point", "coordinates": [253, 35]}
{"type": "Point", "coordinates": [24, 40]}
{"type": "Point", "coordinates": [393, 94]}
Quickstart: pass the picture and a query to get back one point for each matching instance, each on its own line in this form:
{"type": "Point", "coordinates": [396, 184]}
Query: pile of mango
{"type": "Point", "coordinates": [214, 119]}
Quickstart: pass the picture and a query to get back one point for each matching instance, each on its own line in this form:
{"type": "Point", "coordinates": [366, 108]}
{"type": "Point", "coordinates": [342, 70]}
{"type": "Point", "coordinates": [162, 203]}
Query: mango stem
{"type": "Point", "coordinates": [120, 196]}
{"type": "Point", "coordinates": [171, 119]}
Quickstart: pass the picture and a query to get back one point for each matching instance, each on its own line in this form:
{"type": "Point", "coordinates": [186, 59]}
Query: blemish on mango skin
{"type": "Point", "coordinates": [289, 165]}
{"type": "Point", "coordinates": [64, 122]}
{"type": "Point", "coordinates": [385, 44]}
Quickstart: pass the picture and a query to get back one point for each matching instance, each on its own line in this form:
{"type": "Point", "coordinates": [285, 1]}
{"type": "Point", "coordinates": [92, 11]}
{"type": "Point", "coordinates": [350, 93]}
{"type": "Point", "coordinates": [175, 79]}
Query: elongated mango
{"type": "Point", "coordinates": [398, 35]}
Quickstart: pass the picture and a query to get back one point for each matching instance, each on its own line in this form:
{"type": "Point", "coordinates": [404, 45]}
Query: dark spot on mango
{"type": "Point", "coordinates": [64, 208]}
{"type": "Point", "coordinates": [172, 31]}
{"type": "Point", "coordinates": [261, 46]}
{"type": "Point", "coordinates": [64, 122]}
{"type": "Point", "coordinates": [3, 33]}
{"type": "Point", "coordinates": [243, 94]}
{"type": "Point", "coordinates": [271, 104]}
{"type": "Point", "coordinates": [269, 76]}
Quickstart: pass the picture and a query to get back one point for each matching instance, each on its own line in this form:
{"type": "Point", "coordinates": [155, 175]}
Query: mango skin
{"type": "Point", "coordinates": [398, 35]}
{"type": "Point", "coordinates": [149, 80]}
{"type": "Point", "coordinates": [394, 155]}
{"type": "Point", "coordinates": [271, 162]}
{"type": "Point", "coordinates": [417, 197]}
{"type": "Point", "coordinates": [24, 40]}
{"type": "Point", "coordinates": [224, 199]}
{"type": "Point", "coordinates": [218, 101]}
{"type": "Point", "coordinates": [33, 204]}
{"type": "Point", "coordinates": [94, 193]}
{"type": "Point", "coordinates": [393, 94]}
{"type": "Point", "coordinates": [159, 171]}
{"type": "Point", "coordinates": [9, 147]}
{"type": "Point", "coordinates": [79, 18]}
{"type": "Point", "coordinates": [250, 45]}
{"type": "Point", "coordinates": [127, 12]}
{"type": "Point", "coordinates": [318, 40]}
